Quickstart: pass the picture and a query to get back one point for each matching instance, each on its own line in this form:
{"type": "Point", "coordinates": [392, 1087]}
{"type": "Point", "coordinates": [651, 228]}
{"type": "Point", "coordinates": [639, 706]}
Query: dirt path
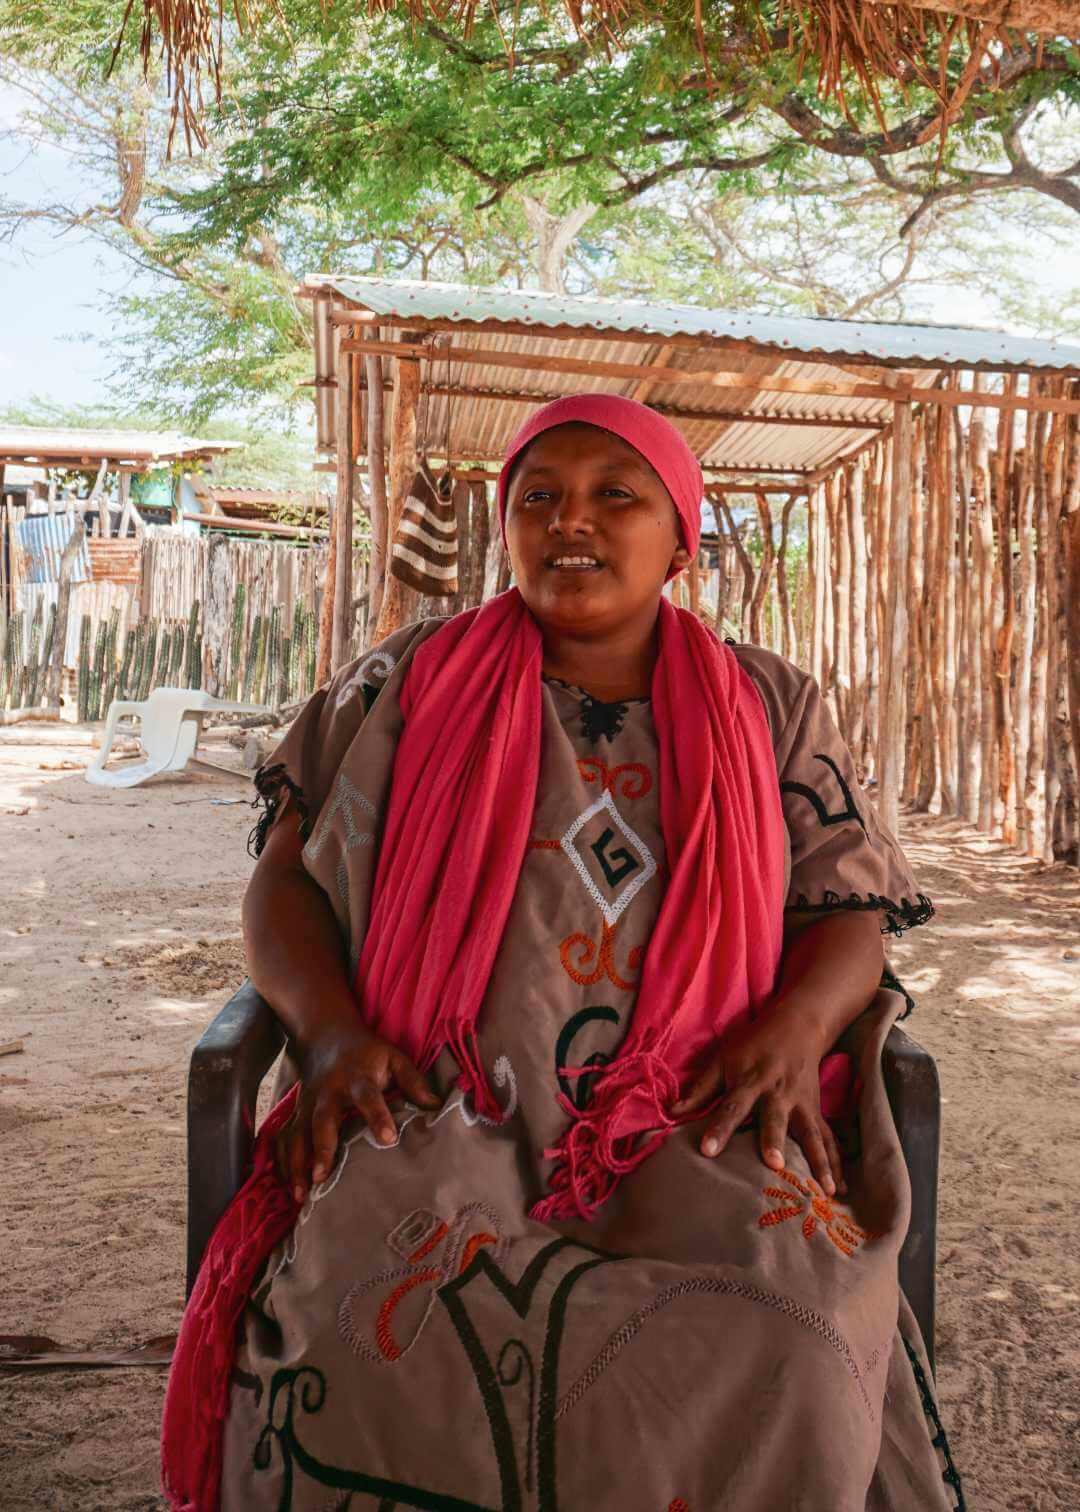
{"type": "Point", "coordinates": [119, 937]}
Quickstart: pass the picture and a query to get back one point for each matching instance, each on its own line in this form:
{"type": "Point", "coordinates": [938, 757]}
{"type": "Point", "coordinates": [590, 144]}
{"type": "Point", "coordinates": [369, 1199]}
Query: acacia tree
{"type": "Point", "coordinates": [401, 148]}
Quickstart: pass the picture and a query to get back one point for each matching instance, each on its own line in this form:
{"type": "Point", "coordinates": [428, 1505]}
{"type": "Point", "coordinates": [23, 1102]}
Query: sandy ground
{"type": "Point", "coordinates": [119, 938]}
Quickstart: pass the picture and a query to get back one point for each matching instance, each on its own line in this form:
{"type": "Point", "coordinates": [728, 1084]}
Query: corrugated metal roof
{"type": "Point", "coordinates": [785, 432]}
{"type": "Point", "coordinates": [941, 346]}
{"type": "Point", "coordinates": [43, 443]}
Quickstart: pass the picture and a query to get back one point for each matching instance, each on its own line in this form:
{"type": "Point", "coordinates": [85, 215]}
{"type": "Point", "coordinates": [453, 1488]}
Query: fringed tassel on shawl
{"type": "Point", "coordinates": [595, 1152]}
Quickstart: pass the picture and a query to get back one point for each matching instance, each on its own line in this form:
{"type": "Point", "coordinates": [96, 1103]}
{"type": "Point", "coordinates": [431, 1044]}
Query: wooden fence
{"type": "Point", "coordinates": [239, 618]}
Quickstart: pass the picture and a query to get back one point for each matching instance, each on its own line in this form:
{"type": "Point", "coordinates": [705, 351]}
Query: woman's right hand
{"type": "Point", "coordinates": [344, 1073]}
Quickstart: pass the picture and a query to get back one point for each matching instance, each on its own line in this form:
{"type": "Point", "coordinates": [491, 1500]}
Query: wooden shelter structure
{"type": "Point", "coordinates": [914, 492]}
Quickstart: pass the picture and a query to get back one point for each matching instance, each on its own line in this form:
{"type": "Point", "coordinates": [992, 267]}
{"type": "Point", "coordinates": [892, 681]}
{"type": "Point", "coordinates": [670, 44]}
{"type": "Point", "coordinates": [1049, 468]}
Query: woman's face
{"type": "Point", "coordinates": [591, 530]}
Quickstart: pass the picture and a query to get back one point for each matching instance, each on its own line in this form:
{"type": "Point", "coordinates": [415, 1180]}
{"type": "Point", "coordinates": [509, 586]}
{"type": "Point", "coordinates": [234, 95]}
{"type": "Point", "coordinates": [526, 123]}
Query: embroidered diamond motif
{"type": "Point", "coordinates": [610, 858]}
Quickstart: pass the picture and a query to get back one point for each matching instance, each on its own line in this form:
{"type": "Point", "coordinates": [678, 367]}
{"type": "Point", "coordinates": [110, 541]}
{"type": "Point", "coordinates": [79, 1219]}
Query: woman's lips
{"type": "Point", "coordinates": [574, 564]}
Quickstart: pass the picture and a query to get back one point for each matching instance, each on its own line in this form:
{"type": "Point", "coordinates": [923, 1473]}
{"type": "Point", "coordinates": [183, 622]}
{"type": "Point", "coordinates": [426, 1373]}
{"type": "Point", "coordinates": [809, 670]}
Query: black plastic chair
{"type": "Point", "coordinates": [229, 1063]}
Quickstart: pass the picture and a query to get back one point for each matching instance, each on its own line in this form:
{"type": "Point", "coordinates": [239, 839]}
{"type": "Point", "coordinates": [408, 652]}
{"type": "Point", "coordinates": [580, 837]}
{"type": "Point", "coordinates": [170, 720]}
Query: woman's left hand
{"type": "Point", "coordinates": [769, 1068]}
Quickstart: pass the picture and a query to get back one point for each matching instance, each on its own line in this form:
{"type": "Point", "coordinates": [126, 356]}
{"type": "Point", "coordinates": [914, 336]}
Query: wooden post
{"type": "Point", "coordinates": [1070, 542]}
{"type": "Point", "coordinates": [1036, 779]}
{"type": "Point", "coordinates": [71, 550]}
{"type": "Point", "coordinates": [402, 471]}
{"type": "Point", "coordinates": [217, 606]}
{"type": "Point", "coordinates": [376, 466]}
{"type": "Point", "coordinates": [343, 512]}
{"type": "Point", "coordinates": [787, 620]}
{"type": "Point", "coordinates": [1004, 623]}
{"type": "Point", "coordinates": [326, 610]}
{"type": "Point", "coordinates": [1024, 484]}
{"type": "Point", "coordinates": [983, 609]}
{"type": "Point", "coordinates": [764, 574]}
{"type": "Point", "coordinates": [856, 523]}
{"type": "Point", "coordinates": [894, 661]}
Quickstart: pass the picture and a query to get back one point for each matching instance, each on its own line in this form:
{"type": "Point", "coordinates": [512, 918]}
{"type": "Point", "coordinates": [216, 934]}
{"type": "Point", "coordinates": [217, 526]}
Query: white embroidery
{"type": "Point", "coordinates": [375, 667]}
{"type": "Point", "coordinates": [502, 1075]}
{"type": "Point", "coordinates": [610, 910]}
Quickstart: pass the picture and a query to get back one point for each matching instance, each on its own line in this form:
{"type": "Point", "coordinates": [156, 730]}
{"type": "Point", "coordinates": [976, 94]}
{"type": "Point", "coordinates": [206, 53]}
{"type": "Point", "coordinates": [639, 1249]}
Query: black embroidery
{"type": "Point", "coordinates": [269, 782]}
{"type": "Point", "coordinates": [597, 717]}
{"type": "Point", "coordinates": [893, 982]}
{"type": "Point", "coordinates": [601, 719]}
{"type": "Point", "coordinates": [849, 811]}
{"type": "Point", "coordinates": [519, 1296]}
{"type": "Point", "coordinates": [621, 863]}
{"type": "Point", "coordinates": [898, 916]}
{"type": "Point", "coordinates": [304, 1390]}
{"type": "Point", "coordinates": [369, 692]}
{"type": "Point", "coordinates": [247, 1382]}
{"type": "Point", "coordinates": [950, 1475]}
{"type": "Point", "coordinates": [578, 1089]}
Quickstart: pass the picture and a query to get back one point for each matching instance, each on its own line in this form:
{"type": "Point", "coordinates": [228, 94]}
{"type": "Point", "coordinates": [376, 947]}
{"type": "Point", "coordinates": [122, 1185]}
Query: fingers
{"type": "Point", "coordinates": [773, 1131]}
{"type": "Point", "coordinates": [298, 1160]}
{"type": "Point", "coordinates": [371, 1105]}
{"type": "Point", "coordinates": [325, 1124]}
{"type": "Point", "coordinates": [836, 1160]}
{"type": "Point", "coordinates": [808, 1131]}
{"type": "Point", "coordinates": [413, 1083]}
{"type": "Point", "coordinates": [733, 1111]}
{"type": "Point", "coordinates": [702, 1090]}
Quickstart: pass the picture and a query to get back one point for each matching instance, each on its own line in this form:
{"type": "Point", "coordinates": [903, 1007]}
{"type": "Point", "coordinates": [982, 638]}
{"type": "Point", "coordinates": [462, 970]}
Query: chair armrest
{"type": "Point", "coordinates": [911, 1081]}
{"type": "Point", "coordinates": [227, 1068]}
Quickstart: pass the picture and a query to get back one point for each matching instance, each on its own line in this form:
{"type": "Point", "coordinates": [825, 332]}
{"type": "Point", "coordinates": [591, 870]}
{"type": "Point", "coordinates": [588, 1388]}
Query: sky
{"type": "Point", "coordinates": [53, 287]}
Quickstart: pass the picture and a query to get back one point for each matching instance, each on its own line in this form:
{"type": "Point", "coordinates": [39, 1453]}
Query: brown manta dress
{"type": "Point", "coordinates": [721, 1336]}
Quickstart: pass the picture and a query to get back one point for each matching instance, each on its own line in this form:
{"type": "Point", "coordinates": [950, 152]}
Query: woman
{"type": "Point", "coordinates": [564, 906]}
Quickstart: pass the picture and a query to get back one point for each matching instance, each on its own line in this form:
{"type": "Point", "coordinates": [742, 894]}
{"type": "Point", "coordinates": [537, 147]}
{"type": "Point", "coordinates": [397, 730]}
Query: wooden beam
{"type": "Point", "coordinates": [662, 358]}
{"type": "Point", "coordinates": [756, 487]}
{"type": "Point", "coordinates": [771, 383]}
{"type": "Point", "coordinates": [735, 417]}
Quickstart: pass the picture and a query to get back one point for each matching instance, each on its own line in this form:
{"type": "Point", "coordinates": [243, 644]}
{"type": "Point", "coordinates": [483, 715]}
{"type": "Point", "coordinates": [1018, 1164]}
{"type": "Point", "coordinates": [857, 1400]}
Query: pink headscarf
{"type": "Point", "coordinates": [662, 446]}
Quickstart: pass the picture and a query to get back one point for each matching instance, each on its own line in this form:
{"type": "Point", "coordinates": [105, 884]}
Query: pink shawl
{"type": "Point", "coordinates": [456, 827]}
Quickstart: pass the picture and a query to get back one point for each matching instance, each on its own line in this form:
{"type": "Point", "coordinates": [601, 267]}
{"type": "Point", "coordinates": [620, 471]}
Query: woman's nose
{"type": "Point", "coordinates": [572, 515]}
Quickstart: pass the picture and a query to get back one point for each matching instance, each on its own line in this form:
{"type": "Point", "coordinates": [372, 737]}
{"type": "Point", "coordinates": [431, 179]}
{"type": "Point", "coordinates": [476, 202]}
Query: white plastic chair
{"type": "Point", "coordinates": [170, 724]}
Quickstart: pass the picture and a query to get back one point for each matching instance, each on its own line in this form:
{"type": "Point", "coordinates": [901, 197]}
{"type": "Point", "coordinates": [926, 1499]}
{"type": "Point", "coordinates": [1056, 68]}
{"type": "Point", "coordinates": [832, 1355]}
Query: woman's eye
{"type": "Point", "coordinates": [535, 496]}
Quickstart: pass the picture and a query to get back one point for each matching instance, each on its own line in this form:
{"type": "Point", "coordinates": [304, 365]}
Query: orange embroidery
{"type": "Point", "coordinates": [476, 1242]}
{"type": "Point", "coordinates": [837, 1225]}
{"type": "Point", "coordinates": [388, 1345]}
{"type": "Point", "coordinates": [429, 1244]}
{"type": "Point", "coordinates": [678, 1505]}
{"type": "Point", "coordinates": [637, 779]}
{"type": "Point", "coordinates": [545, 845]}
{"type": "Point", "coordinates": [604, 956]}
